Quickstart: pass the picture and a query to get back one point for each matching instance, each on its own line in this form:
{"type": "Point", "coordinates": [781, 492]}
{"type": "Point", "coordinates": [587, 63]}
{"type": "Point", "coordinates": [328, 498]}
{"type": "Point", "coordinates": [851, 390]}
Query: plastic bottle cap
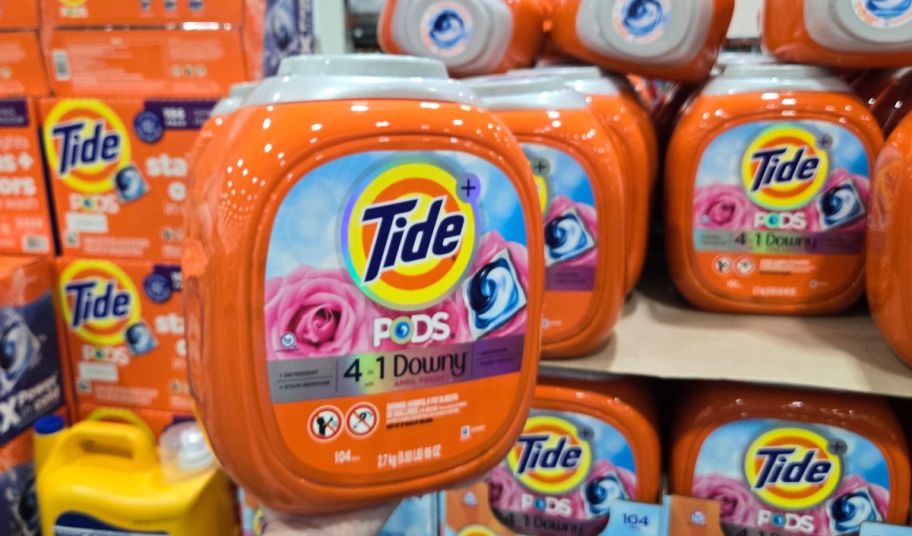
{"type": "Point", "coordinates": [788, 71]}
{"type": "Point", "coordinates": [374, 65]}
{"type": "Point", "coordinates": [183, 450]}
{"type": "Point", "coordinates": [49, 424]}
{"type": "Point", "coordinates": [509, 84]}
{"type": "Point", "coordinates": [242, 89]}
{"type": "Point", "coordinates": [567, 73]}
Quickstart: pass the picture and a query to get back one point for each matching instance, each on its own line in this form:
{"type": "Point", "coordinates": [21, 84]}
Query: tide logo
{"type": "Point", "coordinates": [409, 234]}
{"type": "Point", "coordinates": [785, 167]}
{"type": "Point", "coordinates": [793, 468]}
{"type": "Point", "coordinates": [99, 301]}
{"type": "Point", "coordinates": [550, 457]}
{"type": "Point", "coordinates": [86, 144]}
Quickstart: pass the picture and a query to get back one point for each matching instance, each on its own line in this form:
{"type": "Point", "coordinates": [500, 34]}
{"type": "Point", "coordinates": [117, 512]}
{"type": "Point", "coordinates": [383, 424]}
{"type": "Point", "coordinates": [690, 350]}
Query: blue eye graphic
{"type": "Point", "coordinates": [840, 205]}
{"type": "Point", "coordinates": [130, 184]}
{"type": "Point", "coordinates": [642, 17]}
{"type": "Point", "coordinates": [18, 349]}
{"type": "Point", "coordinates": [888, 9]}
{"type": "Point", "coordinates": [140, 339]}
{"type": "Point", "coordinates": [603, 491]}
{"type": "Point", "coordinates": [447, 29]}
{"type": "Point", "coordinates": [849, 511]}
{"type": "Point", "coordinates": [493, 295]}
{"type": "Point", "coordinates": [566, 237]}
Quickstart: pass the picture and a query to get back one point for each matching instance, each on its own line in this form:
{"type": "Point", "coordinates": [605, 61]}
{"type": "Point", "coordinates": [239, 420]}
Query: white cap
{"type": "Point", "coordinates": [759, 77]}
{"type": "Point", "coordinates": [235, 98]}
{"type": "Point", "coordinates": [880, 27]}
{"type": "Point", "coordinates": [184, 452]}
{"type": "Point", "coordinates": [516, 92]}
{"type": "Point", "coordinates": [587, 80]}
{"type": "Point", "coordinates": [309, 78]}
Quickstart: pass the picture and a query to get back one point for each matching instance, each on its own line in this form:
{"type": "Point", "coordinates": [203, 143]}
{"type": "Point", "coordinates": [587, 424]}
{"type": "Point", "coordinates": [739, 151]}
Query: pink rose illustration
{"type": "Point", "coordinates": [587, 214]}
{"type": "Point", "coordinates": [739, 506]}
{"type": "Point", "coordinates": [839, 176]}
{"type": "Point", "coordinates": [490, 245]}
{"type": "Point", "coordinates": [504, 492]}
{"type": "Point", "coordinates": [723, 206]}
{"type": "Point", "coordinates": [324, 311]}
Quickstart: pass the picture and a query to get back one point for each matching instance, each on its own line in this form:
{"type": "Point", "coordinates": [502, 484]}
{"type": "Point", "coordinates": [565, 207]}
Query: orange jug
{"type": "Point", "coordinates": [367, 288]}
{"type": "Point", "coordinates": [628, 124]}
{"type": "Point", "coordinates": [889, 292]}
{"type": "Point", "coordinates": [579, 177]}
{"type": "Point", "coordinates": [790, 461]}
{"type": "Point", "coordinates": [857, 34]}
{"type": "Point", "coordinates": [471, 37]}
{"type": "Point", "coordinates": [767, 178]}
{"type": "Point", "coordinates": [666, 39]}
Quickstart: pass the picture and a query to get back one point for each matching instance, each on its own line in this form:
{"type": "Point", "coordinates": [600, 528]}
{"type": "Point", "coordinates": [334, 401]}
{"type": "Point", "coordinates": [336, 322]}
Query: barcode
{"type": "Point", "coordinates": [35, 244]}
{"type": "Point", "coordinates": [61, 64]}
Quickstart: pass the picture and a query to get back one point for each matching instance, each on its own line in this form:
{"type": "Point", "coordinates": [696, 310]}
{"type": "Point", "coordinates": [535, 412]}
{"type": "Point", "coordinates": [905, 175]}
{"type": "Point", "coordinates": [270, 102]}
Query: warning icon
{"type": "Point", "coordinates": [325, 423]}
{"type": "Point", "coordinates": [362, 419]}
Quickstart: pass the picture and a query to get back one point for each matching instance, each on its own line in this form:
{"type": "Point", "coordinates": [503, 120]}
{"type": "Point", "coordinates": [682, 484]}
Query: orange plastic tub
{"type": "Point", "coordinates": [579, 176]}
{"type": "Point", "coordinates": [767, 179]}
{"type": "Point", "coordinates": [789, 461]}
{"type": "Point", "coordinates": [370, 287]}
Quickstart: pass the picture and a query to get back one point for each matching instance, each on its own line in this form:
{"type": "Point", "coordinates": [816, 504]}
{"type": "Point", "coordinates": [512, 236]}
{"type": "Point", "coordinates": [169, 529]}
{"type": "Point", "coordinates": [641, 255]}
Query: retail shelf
{"type": "Point", "coordinates": [661, 336]}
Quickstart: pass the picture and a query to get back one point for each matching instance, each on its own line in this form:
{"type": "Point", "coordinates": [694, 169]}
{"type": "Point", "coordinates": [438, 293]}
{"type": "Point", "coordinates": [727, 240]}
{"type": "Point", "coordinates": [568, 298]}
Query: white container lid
{"type": "Point", "coordinates": [518, 92]}
{"type": "Point", "coordinates": [184, 452]}
{"type": "Point", "coordinates": [587, 80]}
{"type": "Point", "coordinates": [655, 32]}
{"type": "Point", "coordinates": [777, 77]}
{"type": "Point", "coordinates": [872, 26]}
{"type": "Point", "coordinates": [235, 98]}
{"type": "Point", "coordinates": [359, 76]}
{"type": "Point", "coordinates": [469, 36]}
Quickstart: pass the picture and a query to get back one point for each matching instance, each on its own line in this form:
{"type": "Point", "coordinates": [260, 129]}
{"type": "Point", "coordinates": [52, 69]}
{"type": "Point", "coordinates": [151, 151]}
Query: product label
{"type": "Point", "coordinates": [571, 236]}
{"type": "Point", "coordinates": [779, 210]}
{"type": "Point", "coordinates": [29, 365]}
{"type": "Point", "coordinates": [562, 476]}
{"type": "Point", "coordinates": [782, 476]}
{"type": "Point", "coordinates": [78, 524]}
{"type": "Point", "coordinates": [126, 333]}
{"type": "Point", "coordinates": [640, 22]}
{"type": "Point", "coordinates": [446, 28]}
{"type": "Point", "coordinates": [883, 14]}
{"type": "Point", "coordinates": [392, 278]}
{"type": "Point", "coordinates": [18, 502]}
{"type": "Point", "coordinates": [287, 31]}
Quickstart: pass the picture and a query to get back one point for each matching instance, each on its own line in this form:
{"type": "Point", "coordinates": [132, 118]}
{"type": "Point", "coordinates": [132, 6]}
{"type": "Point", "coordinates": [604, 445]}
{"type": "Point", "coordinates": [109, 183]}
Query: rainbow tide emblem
{"type": "Point", "coordinates": [785, 167]}
{"type": "Point", "coordinates": [408, 235]}
{"type": "Point", "coordinates": [550, 457]}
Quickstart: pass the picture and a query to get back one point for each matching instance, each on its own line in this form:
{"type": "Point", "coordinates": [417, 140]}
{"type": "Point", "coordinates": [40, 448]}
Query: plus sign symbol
{"type": "Point", "coordinates": [540, 167]}
{"type": "Point", "coordinates": [469, 188]}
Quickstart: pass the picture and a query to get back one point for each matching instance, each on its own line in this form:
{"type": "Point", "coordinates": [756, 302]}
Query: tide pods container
{"type": "Point", "coordinates": [589, 440]}
{"type": "Point", "coordinates": [767, 179]}
{"type": "Point", "coordinates": [628, 125]}
{"type": "Point", "coordinates": [857, 34]}
{"type": "Point", "coordinates": [370, 290]}
{"type": "Point", "coordinates": [578, 174]}
{"type": "Point", "coordinates": [471, 37]}
{"type": "Point", "coordinates": [667, 39]}
{"type": "Point", "coordinates": [788, 461]}
{"type": "Point", "coordinates": [889, 291]}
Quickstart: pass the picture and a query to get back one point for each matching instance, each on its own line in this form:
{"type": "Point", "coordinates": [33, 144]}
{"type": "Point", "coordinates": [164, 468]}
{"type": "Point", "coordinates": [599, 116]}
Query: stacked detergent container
{"type": "Point", "coordinates": [767, 179]}
{"type": "Point", "coordinates": [369, 291]}
{"type": "Point", "coordinates": [889, 291]}
{"type": "Point", "coordinates": [628, 125]}
{"type": "Point", "coordinates": [471, 37]}
{"type": "Point", "coordinates": [781, 460]}
{"type": "Point", "coordinates": [581, 193]}
{"type": "Point", "coordinates": [667, 39]}
{"type": "Point", "coordinates": [857, 34]}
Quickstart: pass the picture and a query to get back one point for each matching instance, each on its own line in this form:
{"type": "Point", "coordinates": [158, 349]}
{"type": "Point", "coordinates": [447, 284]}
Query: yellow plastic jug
{"type": "Point", "coordinates": [105, 477]}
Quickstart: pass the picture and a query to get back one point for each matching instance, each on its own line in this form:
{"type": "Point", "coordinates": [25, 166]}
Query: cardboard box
{"type": "Point", "coordinates": [81, 13]}
{"type": "Point", "coordinates": [22, 72]}
{"type": "Point", "coordinates": [31, 380]}
{"type": "Point", "coordinates": [144, 62]}
{"type": "Point", "coordinates": [19, 15]}
{"type": "Point", "coordinates": [119, 172]}
{"type": "Point", "coordinates": [25, 209]}
{"type": "Point", "coordinates": [125, 334]}
{"type": "Point", "coordinates": [276, 29]}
